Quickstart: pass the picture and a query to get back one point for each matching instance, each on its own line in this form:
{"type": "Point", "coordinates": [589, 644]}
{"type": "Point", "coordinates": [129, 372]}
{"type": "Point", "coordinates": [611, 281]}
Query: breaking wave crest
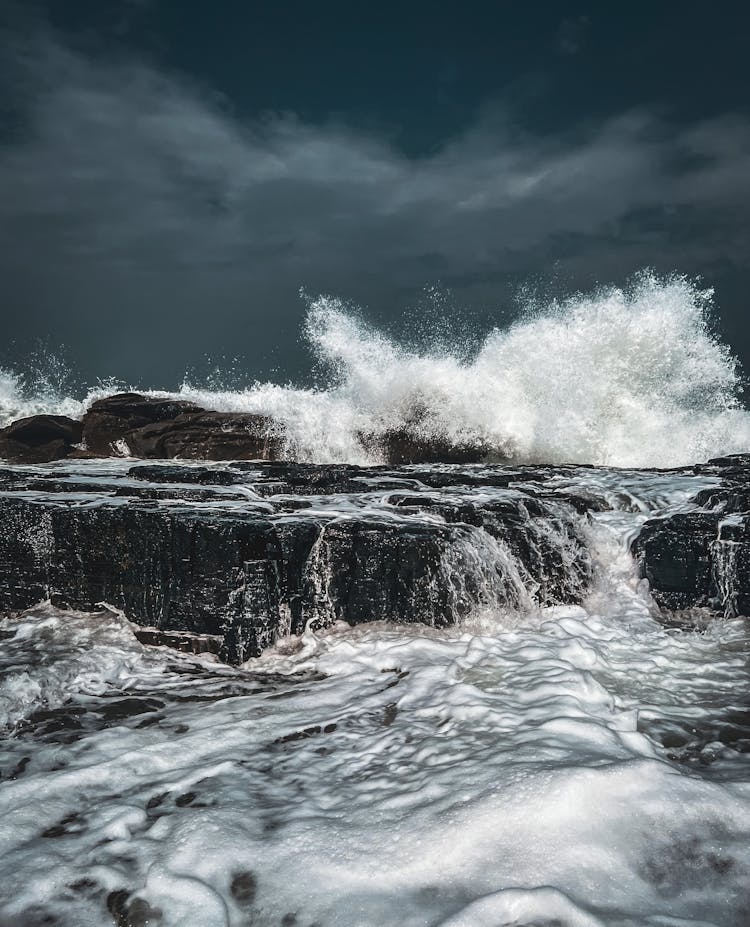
{"type": "Point", "coordinates": [21, 396]}
{"type": "Point", "coordinates": [620, 377]}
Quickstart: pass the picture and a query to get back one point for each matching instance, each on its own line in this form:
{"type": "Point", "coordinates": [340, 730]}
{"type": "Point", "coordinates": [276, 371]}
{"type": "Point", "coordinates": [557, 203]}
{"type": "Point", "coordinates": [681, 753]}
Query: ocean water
{"type": "Point", "coordinates": [568, 766]}
{"type": "Point", "coordinates": [621, 377]}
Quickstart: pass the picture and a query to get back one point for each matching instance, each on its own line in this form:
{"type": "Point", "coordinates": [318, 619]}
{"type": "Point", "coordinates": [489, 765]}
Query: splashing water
{"type": "Point", "coordinates": [21, 396]}
{"type": "Point", "coordinates": [628, 378]}
{"type": "Point", "coordinates": [621, 377]}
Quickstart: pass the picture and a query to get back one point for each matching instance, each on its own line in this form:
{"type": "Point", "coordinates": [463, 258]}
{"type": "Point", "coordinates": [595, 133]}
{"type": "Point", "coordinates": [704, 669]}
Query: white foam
{"type": "Point", "coordinates": [19, 399]}
{"type": "Point", "coordinates": [58, 658]}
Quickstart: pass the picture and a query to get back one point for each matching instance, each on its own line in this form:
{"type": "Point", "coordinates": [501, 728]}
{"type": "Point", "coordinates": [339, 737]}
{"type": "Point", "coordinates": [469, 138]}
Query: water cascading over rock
{"type": "Point", "coordinates": [700, 558]}
{"type": "Point", "coordinates": [247, 553]}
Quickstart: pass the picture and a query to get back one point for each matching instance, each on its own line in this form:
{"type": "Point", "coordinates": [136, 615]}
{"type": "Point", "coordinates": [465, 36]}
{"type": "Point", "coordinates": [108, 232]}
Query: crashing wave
{"type": "Point", "coordinates": [620, 377]}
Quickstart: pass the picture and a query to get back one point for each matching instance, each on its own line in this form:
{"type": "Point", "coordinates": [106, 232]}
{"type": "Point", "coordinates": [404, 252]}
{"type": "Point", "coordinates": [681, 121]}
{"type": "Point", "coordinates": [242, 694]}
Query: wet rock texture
{"type": "Point", "coordinates": [129, 424]}
{"type": "Point", "coordinates": [40, 439]}
{"type": "Point", "coordinates": [230, 556]}
{"type": "Point", "coordinates": [244, 553]}
{"type": "Point", "coordinates": [109, 421]}
{"type": "Point", "coordinates": [700, 558]}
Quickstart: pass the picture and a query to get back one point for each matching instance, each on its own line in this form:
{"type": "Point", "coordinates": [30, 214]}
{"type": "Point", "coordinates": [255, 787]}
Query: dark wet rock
{"type": "Point", "coordinates": [39, 439]}
{"type": "Point", "coordinates": [725, 499]}
{"type": "Point", "coordinates": [701, 559]}
{"type": "Point", "coordinates": [187, 798]}
{"type": "Point", "coordinates": [128, 910]}
{"type": "Point", "coordinates": [117, 903]}
{"type": "Point", "coordinates": [20, 768]}
{"type": "Point", "coordinates": [283, 477]}
{"type": "Point", "coordinates": [33, 480]}
{"type": "Point", "coordinates": [200, 567]}
{"type": "Point", "coordinates": [208, 436]}
{"type": "Point", "coordinates": [83, 886]}
{"type": "Point", "coordinates": [70, 722]}
{"type": "Point", "coordinates": [56, 725]}
{"type": "Point", "coordinates": [184, 493]}
{"type": "Point", "coordinates": [306, 733]}
{"type": "Point", "coordinates": [243, 887]}
{"type": "Point", "coordinates": [402, 446]}
{"type": "Point", "coordinates": [675, 556]}
{"type": "Point", "coordinates": [733, 466]}
{"type": "Point", "coordinates": [139, 913]}
{"type": "Point", "coordinates": [390, 713]}
{"type": "Point", "coordinates": [72, 823]}
{"type": "Point", "coordinates": [228, 558]}
{"type": "Point", "coordinates": [121, 709]}
{"type": "Point", "coordinates": [181, 570]}
{"type": "Point", "coordinates": [731, 565]}
{"type": "Point", "coordinates": [108, 420]}
{"type": "Point", "coordinates": [156, 800]}
{"type": "Point", "coordinates": [694, 560]}
{"type": "Point", "coordinates": [131, 424]}
{"type": "Point", "coordinates": [371, 570]}
{"type": "Point", "coordinates": [179, 473]}
{"type": "Point", "coordinates": [540, 534]}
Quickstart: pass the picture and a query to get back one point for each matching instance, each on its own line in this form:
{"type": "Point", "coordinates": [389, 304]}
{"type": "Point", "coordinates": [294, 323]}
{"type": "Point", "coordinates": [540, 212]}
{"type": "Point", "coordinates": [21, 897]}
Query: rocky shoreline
{"type": "Point", "coordinates": [250, 551]}
{"type": "Point", "coordinates": [229, 557]}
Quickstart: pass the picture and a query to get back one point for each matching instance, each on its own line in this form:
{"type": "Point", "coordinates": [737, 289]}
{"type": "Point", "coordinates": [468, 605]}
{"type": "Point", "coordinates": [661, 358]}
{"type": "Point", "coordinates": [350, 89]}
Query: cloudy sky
{"type": "Point", "coordinates": [172, 174]}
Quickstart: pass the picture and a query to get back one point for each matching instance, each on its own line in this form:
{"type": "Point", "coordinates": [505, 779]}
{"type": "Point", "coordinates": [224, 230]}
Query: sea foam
{"type": "Point", "coordinates": [563, 770]}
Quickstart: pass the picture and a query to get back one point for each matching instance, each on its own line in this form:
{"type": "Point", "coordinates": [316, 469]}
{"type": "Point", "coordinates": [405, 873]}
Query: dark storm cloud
{"type": "Point", "coordinates": [572, 34]}
{"type": "Point", "coordinates": [138, 211]}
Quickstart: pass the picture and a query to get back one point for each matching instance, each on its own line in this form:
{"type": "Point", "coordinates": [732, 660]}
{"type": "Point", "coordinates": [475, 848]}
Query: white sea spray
{"type": "Point", "coordinates": [621, 377]}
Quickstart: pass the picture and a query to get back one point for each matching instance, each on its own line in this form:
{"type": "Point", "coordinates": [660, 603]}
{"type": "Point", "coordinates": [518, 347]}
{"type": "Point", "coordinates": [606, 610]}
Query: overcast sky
{"type": "Point", "coordinates": [172, 173]}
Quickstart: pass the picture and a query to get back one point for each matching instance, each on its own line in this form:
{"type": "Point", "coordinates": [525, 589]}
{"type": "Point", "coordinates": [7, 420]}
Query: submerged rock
{"type": "Point", "coordinates": [180, 640]}
{"type": "Point", "coordinates": [402, 446]}
{"type": "Point", "coordinates": [39, 439]}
